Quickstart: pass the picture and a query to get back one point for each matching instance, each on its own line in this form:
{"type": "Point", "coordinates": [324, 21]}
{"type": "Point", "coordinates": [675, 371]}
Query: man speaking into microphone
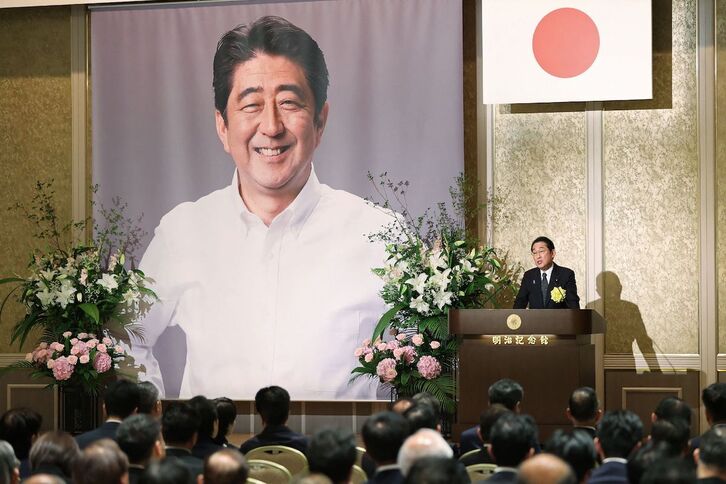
{"type": "Point", "coordinates": [547, 286]}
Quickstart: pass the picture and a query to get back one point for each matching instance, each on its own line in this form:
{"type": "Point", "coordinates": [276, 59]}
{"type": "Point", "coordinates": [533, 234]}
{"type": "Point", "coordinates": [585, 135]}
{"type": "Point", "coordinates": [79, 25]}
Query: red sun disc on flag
{"type": "Point", "coordinates": [566, 42]}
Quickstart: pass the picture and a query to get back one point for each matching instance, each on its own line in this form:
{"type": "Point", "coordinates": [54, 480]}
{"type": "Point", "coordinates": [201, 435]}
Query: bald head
{"type": "Point", "coordinates": [44, 479]}
{"type": "Point", "coordinates": [545, 469]}
{"type": "Point", "coordinates": [225, 466]}
{"type": "Point", "coordinates": [424, 443]}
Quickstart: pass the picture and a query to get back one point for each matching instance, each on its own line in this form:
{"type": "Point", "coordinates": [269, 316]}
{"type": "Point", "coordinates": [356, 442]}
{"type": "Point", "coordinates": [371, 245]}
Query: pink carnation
{"type": "Point", "coordinates": [386, 369]}
{"type": "Point", "coordinates": [43, 345]}
{"type": "Point", "coordinates": [417, 339]}
{"type": "Point", "coordinates": [79, 348]}
{"type": "Point", "coordinates": [429, 367]}
{"type": "Point", "coordinates": [82, 335]}
{"type": "Point", "coordinates": [102, 362]}
{"type": "Point", "coordinates": [67, 334]}
{"type": "Point", "coordinates": [107, 341]}
{"type": "Point", "coordinates": [55, 346]}
{"type": "Point", "coordinates": [407, 353]}
{"type": "Point", "coordinates": [91, 343]}
{"type": "Point", "coordinates": [368, 357]}
{"type": "Point", "coordinates": [381, 346]}
{"type": "Point", "coordinates": [74, 341]}
{"type": "Point", "coordinates": [392, 345]}
{"type": "Point", "coordinates": [92, 335]}
{"type": "Point", "coordinates": [101, 347]}
{"type": "Point", "coordinates": [400, 336]}
{"type": "Point", "coordinates": [41, 355]}
{"type": "Point", "coordinates": [29, 357]}
{"type": "Point", "coordinates": [84, 359]}
{"type": "Point", "coordinates": [118, 349]}
{"type": "Point", "coordinates": [358, 352]}
{"type": "Point", "coordinates": [435, 345]}
{"type": "Point", "coordinates": [50, 363]}
{"type": "Point", "coordinates": [366, 342]}
{"type": "Point", "coordinates": [72, 360]}
{"type": "Point", "coordinates": [62, 369]}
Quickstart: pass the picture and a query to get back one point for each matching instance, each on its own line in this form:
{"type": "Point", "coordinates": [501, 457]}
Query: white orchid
{"type": "Point", "coordinates": [418, 283]}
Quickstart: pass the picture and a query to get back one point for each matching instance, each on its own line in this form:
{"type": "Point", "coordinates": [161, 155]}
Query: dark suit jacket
{"type": "Point", "coordinates": [194, 464]}
{"type": "Point", "coordinates": [388, 476]}
{"type": "Point", "coordinates": [135, 474]}
{"type": "Point", "coordinates": [276, 435]}
{"type": "Point", "coordinates": [610, 473]}
{"type": "Point", "coordinates": [591, 431]}
{"type": "Point", "coordinates": [469, 440]}
{"type": "Point", "coordinates": [204, 447]}
{"type": "Point", "coordinates": [502, 476]}
{"type": "Point", "coordinates": [106, 431]}
{"type": "Point", "coordinates": [530, 292]}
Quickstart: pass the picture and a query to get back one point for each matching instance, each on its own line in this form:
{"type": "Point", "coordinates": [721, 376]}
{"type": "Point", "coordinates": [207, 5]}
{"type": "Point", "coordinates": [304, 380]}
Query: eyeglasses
{"type": "Point", "coordinates": [535, 253]}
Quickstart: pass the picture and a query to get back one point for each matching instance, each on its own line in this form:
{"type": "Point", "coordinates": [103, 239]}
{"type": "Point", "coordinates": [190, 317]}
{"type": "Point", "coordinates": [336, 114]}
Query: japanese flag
{"type": "Point", "coordinates": [557, 50]}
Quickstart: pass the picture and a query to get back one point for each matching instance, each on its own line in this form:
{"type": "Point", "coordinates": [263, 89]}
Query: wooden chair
{"type": "Point", "coordinates": [268, 472]}
{"type": "Point", "coordinates": [480, 472]}
{"type": "Point", "coordinates": [358, 476]}
{"type": "Point", "coordinates": [291, 459]}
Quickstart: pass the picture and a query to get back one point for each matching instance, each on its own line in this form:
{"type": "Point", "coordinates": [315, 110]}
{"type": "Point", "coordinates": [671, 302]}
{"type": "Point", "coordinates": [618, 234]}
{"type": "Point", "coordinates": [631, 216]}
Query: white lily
{"type": "Point", "coordinates": [418, 283]}
{"type": "Point", "coordinates": [442, 298]}
{"type": "Point", "coordinates": [420, 305]}
{"type": "Point", "coordinates": [108, 282]}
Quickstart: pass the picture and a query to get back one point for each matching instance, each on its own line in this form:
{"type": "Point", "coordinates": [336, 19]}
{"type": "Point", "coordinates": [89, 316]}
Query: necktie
{"type": "Point", "coordinates": [545, 284]}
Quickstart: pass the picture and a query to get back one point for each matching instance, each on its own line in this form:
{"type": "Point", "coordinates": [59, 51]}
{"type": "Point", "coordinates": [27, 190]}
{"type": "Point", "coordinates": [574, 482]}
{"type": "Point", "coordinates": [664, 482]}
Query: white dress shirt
{"type": "Point", "coordinates": [281, 305]}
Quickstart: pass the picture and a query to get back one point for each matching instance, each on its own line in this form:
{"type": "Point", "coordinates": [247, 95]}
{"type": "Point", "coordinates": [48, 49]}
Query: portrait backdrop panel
{"type": "Point", "coordinates": [395, 101]}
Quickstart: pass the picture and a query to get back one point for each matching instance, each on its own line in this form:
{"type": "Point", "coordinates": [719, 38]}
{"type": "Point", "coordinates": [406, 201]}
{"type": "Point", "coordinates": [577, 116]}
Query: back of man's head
{"type": "Point", "coordinates": [9, 464]}
{"type": "Point", "coordinates": [489, 417]}
{"type": "Point", "coordinates": [121, 398]}
{"type": "Point", "coordinates": [714, 399]}
{"type": "Point", "coordinates": [149, 399]}
{"type": "Point", "coordinates": [673, 470]}
{"type": "Point", "coordinates": [18, 426]}
{"type": "Point", "coordinates": [179, 424]}
{"type": "Point", "coordinates": [206, 413]}
{"type": "Point", "coordinates": [507, 392]}
{"type": "Point", "coordinates": [332, 452]}
{"type": "Point", "coordinates": [426, 398]}
{"type": "Point", "coordinates": [576, 448]}
{"type": "Point", "coordinates": [437, 470]}
{"type": "Point", "coordinates": [226, 415]}
{"type": "Point", "coordinates": [226, 466]}
{"type": "Point", "coordinates": [273, 405]}
{"type": "Point", "coordinates": [545, 469]}
{"type": "Point", "coordinates": [512, 439]}
{"type": "Point", "coordinates": [674, 432]}
{"type": "Point", "coordinates": [583, 405]}
{"type": "Point", "coordinates": [672, 407]}
{"type": "Point", "coordinates": [137, 435]}
{"type": "Point", "coordinates": [424, 443]}
{"type": "Point", "coordinates": [645, 457]}
{"type": "Point", "coordinates": [167, 471]}
{"type": "Point", "coordinates": [383, 435]}
{"type": "Point", "coordinates": [101, 462]}
{"type": "Point", "coordinates": [618, 433]}
{"type": "Point", "coordinates": [421, 416]}
{"type": "Point", "coordinates": [711, 452]}
{"type": "Point", "coordinates": [54, 449]}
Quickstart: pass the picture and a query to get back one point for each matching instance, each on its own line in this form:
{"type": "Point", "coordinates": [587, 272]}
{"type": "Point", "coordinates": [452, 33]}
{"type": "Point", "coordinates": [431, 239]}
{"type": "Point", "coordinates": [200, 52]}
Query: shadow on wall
{"type": "Point", "coordinates": [624, 322]}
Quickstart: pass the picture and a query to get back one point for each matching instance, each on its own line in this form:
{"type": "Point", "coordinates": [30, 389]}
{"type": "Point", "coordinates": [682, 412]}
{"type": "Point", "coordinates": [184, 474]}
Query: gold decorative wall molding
{"type": "Point", "coordinates": [626, 390]}
{"type": "Point", "coordinates": [662, 362]}
{"type": "Point", "coordinates": [7, 359]}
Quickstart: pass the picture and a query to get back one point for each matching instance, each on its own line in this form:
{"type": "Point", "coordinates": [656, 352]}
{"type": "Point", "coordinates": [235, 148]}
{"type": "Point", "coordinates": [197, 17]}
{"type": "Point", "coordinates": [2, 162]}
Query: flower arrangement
{"type": "Point", "coordinates": [431, 267]}
{"type": "Point", "coordinates": [75, 292]}
{"type": "Point", "coordinates": [558, 294]}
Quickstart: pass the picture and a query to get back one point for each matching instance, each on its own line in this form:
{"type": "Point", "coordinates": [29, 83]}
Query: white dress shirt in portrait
{"type": "Point", "coordinates": [281, 305]}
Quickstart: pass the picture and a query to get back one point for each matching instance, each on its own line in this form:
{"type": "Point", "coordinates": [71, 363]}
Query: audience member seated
{"type": "Point", "coordinates": [273, 405]}
{"type": "Point", "coordinates": [618, 434]}
{"type": "Point", "coordinates": [167, 471]}
{"type": "Point", "coordinates": [576, 447]}
{"type": "Point", "coordinates": [646, 457]}
{"type": "Point", "coordinates": [54, 453]}
{"type": "Point", "coordinates": [505, 392]}
{"type": "Point", "coordinates": [401, 405]}
{"type": "Point", "coordinates": [149, 402]}
{"type": "Point", "coordinates": [669, 471]}
{"type": "Point", "coordinates": [486, 421]}
{"type": "Point", "coordinates": [584, 410]}
{"type": "Point", "coordinates": [139, 437]}
{"type": "Point", "coordinates": [207, 429]}
{"type": "Point", "coordinates": [437, 470]}
{"type": "Point", "coordinates": [179, 425]}
{"type": "Point", "coordinates": [670, 408]}
{"type": "Point", "coordinates": [9, 464]}
{"type": "Point", "coordinates": [383, 436]}
{"type": "Point", "coordinates": [513, 438]}
{"type": "Point", "coordinates": [226, 416]}
{"type": "Point", "coordinates": [424, 443]}
{"type": "Point", "coordinates": [426, 398]}
{"type": "Point", "coordinates": [20, 427]}
{"type": "Point", "coordinates": [545, 469]}
{"type": "Point", "coordinates": [120, 400]}
{"type": "Point", "coordinates": [44, 479]}
{"type": "Point", "coordinates": [674, 433]}
{"type": "Point", "coordinates": [332, 453]}
{"type": "Point", "coordinates": [714, 399]}
{"type": "Point", "coordinates": [102, 462]}
{"type": "Point", "coordinates": [422, 416]}
{"type": "Point", "coordinates": [227, 466]}
{"type": "Point", "coordinates": [711, 456]}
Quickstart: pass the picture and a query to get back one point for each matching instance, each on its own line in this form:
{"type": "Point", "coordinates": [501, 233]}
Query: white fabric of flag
{"type": "Point", "coordinates": [557, 50]}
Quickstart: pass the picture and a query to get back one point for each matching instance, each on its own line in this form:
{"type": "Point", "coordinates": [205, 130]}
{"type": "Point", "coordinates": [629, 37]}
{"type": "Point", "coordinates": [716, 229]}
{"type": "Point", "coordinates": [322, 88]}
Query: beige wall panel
{"type": "Point", "coordinates": [35, 129]}
{"type": "Point", "coordinates": [540, 175]}
{"type": "Point", "coordinates": [651, 226]}
{"type": "Point", "coordinates": [721, 170]}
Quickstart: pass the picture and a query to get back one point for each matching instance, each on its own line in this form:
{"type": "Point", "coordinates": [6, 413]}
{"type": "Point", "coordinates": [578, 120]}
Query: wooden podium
{"type": "Point", "coordinates": [549, 351]}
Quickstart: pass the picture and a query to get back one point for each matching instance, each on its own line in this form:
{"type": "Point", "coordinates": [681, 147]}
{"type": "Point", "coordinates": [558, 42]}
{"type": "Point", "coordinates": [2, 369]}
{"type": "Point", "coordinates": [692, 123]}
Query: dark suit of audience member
{"type": "Point", "coordinates": [486, 421]}
{"type": "Point", "coordinates": [19, 427]}
{"type": "Point", "coordinates": [383, 435]}
{"type": "Point", "coordinates": [207, 415]}
{"type": "Point", "coordinates": [332, 453]}
{"type": "Point", "coordinates": [577, 448]}
{"type": "Point", "coordinates": [618, 433]}
{"type": "Point", "coordinates": [120, 400]}
{"type": "Point", "coordinates": [437, 470]}
{"type": "Point", "coordinates": [714, 399]}
{"type": "Point", "coordinates": [179, 425]}
{"type": "Point", "coordinates": [503, 392]}
{"type": "Point", "coordinates": [135, 473]}
{"type": "Point", "coordinates": [273, 405]}
{"type": "Point", "coordinates": [711, 456]}
{"type": "Point", "coordinates": [139, 437]}
{"type": "Point", "coordinates": [512, 440]}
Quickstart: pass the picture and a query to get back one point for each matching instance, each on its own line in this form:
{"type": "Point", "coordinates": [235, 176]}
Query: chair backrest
{"type": "Point", "coordinates": [359, 451]}
{"type": "Point", "coordinates": [268, 472]}
{"type": "Point", "coordinates": [480, 472]}
{"type": "Point", "coordinates": [467, 454]}
{"type": "Point", "coordinates": [253, 481]}
{"type": "Point", "coordinates": [291, 459]}
{"type": "Point", "coordinates": [358, 476]}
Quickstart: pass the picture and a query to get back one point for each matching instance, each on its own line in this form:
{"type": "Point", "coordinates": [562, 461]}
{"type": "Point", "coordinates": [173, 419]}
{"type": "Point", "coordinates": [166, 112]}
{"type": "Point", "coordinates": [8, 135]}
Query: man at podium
{"type": "Point", "coordinates": [547, 286]}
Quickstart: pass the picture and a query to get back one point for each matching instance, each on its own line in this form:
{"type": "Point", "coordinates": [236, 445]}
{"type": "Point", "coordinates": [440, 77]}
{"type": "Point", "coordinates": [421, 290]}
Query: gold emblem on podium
{"type": "Point", "coordinates": [514, 322]}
